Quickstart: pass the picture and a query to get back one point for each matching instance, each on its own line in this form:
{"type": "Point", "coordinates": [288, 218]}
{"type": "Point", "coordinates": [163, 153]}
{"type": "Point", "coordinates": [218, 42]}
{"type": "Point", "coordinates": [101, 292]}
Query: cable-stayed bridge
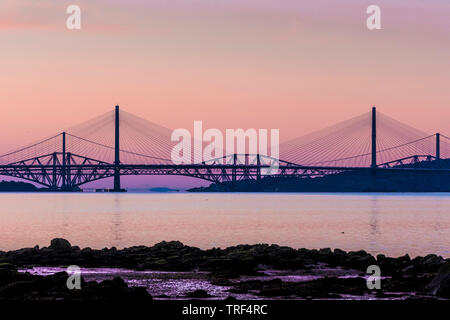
{"type": "Point", "coordinates": [119, 143]}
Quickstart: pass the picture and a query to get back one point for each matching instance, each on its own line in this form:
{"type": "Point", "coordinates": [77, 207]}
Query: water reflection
{"type": "Point", "coordinates": [393, 224]}
{"type": "Point", "coordinates": [116, 222]}
{"type": "Point", "coordinates": [373, 224]}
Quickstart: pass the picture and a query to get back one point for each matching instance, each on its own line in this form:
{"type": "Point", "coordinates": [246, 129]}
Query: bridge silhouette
{"type": "Point", "coordinates": [118, 143]}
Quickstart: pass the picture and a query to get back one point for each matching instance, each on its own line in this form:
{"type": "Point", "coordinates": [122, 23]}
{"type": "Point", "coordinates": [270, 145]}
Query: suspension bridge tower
{"type": "Point", "coordinates": [117, 152]}
{"type": "Point", "coordinates": [438, 146]}
{"type": "Point", "coordinates": [374, 137]}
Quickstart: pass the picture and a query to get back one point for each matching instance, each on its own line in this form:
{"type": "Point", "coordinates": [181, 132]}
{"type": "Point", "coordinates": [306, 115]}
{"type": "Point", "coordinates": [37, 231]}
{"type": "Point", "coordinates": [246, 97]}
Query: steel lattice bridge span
{"type": "Point", "coordinates": [119, 144]}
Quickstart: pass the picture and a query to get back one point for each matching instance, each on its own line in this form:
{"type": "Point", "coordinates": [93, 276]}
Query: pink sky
{"type": "Point", "coordinates": [293, 65]}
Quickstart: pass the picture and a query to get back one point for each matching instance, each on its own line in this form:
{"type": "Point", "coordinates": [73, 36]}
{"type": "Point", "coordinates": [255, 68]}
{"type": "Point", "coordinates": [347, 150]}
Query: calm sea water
{"type": "Point", "coordinates": [393, 224]}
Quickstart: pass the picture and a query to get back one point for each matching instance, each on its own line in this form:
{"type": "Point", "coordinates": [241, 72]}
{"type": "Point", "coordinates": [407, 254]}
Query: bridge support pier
{"type": "Point", "coordinates": [438, 146]}
{"type": "Point", "coordinates": [69, 186]}
{"type": "Point", "coordinates": [258, 169]}
{"type": "Point", "coordinates": [234, 173]}
{"type": "Point", "coordinates": [63, 169]}
{"type": "Point", "coordinates": [117, 153]}
{"type": "Point", "coordinates": [54, 183]}
{"type": "Point", "coordinates": [374, 137]}
{"type": "Point", "coordinates": [373, 176]}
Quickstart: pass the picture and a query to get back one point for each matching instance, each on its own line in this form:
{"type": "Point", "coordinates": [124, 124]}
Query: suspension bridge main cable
{"type": "Point", "coordinates": [30, 146]}
{"type": "Point", "coordinates": [112, 148]}
{"type": "Point", "coordinates": [378, 151]}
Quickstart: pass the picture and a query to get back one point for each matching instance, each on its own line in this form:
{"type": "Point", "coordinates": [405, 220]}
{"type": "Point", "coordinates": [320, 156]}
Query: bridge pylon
{"type": "Point", "coordinates": [438, 146]}
{"type": "Point", "coordinates": [258, 168]}
{"type": "Point", "coordinates": [63, 168]}
{"type": "Point", "coordinates": [374, 137]}
{"type": "Point", "coordinates": [117, 152]}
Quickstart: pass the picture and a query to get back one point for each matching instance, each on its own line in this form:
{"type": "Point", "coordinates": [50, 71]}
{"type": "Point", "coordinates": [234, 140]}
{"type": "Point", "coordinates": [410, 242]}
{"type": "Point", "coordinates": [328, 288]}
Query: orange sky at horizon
{"type": "Point", "coordinates": [294, 65]}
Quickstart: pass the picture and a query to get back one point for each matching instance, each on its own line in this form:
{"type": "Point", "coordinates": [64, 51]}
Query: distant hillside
{"type": "Point", "coordinates": [345, 182]}
{"type": "Point", "coordinates": [12, 186]}
{"type": "Point", "coordinates": [163, 189]}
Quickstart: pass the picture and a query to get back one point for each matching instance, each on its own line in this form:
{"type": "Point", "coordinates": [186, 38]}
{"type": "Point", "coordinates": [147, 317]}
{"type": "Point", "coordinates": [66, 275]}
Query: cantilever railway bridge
{"type": "Point", "coordinates": [118, 143]}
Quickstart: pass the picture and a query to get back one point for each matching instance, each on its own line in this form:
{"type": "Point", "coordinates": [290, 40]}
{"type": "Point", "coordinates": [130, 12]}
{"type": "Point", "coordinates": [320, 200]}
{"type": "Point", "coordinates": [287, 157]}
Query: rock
{"type": "Point", "coordinates": [393, 266]}
{"type": "Point", "coordinates": [325, 255]}
{"type": "Point", "coordinates": [224, 265]}
{"type": "Point", "coordinates": [325, 251]}
{"type": "Point", "coordinates": [230, 299]}
{"type": "Point", "coordinates": [24, 286]}
{"type": "Point", "coordinates": [360, 260]}
{"type": "Point", "coordinates": [115, 289]}
{"type": "Point", "coordinates": [358, 253]}
{"type": "Point", "coordinates": [432, 261]}
{"type": "Point", "coordinates": [404, 259]}
{"type": "Point", "coordinates": [338, 257]}
{"type": "Point", "coordinates": [289, 264]}
{"type": "Point", "coordinates": [339, 252]}
{"type": "Point", "coordinates": [33, 286]}
{"type": "Point", "coordinates": [86, 251]}
{"type": "Point", "coordinates": [59, 244]}
{"type": "Point", "coordinates": [428, 264]}
{"type": "Point", "coordinates": [400, 282]}
{"type": "Point", "coordinates": [7, 266]}
{"type": "Point", "coordinates": [7, 272]}
{"type": "Point", "coordinates": [314, 289]}
{"type": "Point", "coordinates": [117, 282]}
{"type": "Point", "coordinates": [274, 292]}
{"type": "Point", "coordinates": [200, 294]}
{"type": "Point", "coordinates": [440, 285]}
{"type": "Point", "coordinates": [168, 245]}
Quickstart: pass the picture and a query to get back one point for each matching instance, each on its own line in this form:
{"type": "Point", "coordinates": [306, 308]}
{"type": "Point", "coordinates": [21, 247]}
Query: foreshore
{"type": "Point", "coordinates": [258, 271]}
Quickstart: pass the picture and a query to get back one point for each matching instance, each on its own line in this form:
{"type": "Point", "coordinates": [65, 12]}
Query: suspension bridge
{"type": "Point", "coordinates": [119, 143]}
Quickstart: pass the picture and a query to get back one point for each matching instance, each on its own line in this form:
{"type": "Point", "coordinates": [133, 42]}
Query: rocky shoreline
{"type": "Point", "coordinates": [242, 269]}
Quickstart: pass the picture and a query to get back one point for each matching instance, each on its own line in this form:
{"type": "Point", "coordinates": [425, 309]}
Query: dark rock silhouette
{"type": "Point", "coordinates": [59, 244]}
{"type": "Point", "coordinates": [403, 273]}
{"type": "Point", "coordinates": [200, 294]}
{"type": "Point", "coordinates": [24, 286]}
{"type": "Point", "coordinates": [440, 285]}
